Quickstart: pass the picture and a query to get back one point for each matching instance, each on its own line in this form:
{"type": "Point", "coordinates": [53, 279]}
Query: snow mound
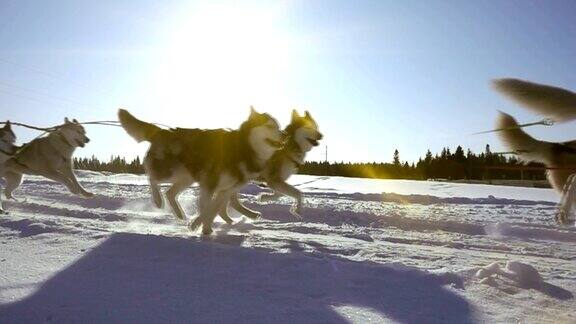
{"type": "Point", "coordinates": [525, 275]}
{"type": "Point", "coordinates": [522, 274]}
{"type": "Point", "coordinates": [516, 277]}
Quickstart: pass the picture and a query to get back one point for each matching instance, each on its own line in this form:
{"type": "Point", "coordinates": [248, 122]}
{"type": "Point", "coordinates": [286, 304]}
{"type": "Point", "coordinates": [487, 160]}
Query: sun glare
{"type": "Point", "coordinates": [219, 60]}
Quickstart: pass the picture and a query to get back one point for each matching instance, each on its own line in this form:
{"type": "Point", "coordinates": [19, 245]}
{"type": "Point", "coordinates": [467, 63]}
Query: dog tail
{"type": "Point", "coordinates": [139, 130]}
{"type": "Point", "coordinates": [515, 139]}
{"type": "Point", "coordinates": [552, 102]}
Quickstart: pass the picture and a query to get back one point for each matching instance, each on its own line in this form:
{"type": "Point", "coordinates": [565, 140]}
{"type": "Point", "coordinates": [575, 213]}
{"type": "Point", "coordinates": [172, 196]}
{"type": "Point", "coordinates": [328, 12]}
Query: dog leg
{"type": "Point", "coordinates": [564, 216]}
{"type": "Point", "coordinates": [224, 214]}
{"type": "Point", "coordinates": [289, 190]}
{"type": "Point", "coordinates": [205, 197]}
{"type": "Point", "coordinates": [13, 181]}
{"type": "Point", "coordinates": [172, 197]}
{"type": "Point", "coordinates": [61, 178]}
{"type": "Point", "coordinates": [156, 196]}
{"type": "Point", "coordinates": [238, 206]}
{"type": "Point", "coordinates": [211, 211]}
{"type": "Point", "coordinates": [68, 172]}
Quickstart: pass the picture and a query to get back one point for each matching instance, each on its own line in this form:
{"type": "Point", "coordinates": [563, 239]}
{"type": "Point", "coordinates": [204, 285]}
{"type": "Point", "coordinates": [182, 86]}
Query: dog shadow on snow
{"type": "Point", "coordinates": [135, 278]}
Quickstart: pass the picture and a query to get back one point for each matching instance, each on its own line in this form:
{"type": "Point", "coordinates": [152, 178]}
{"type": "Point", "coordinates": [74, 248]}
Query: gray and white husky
{"type": "Point", "coordinates": [7, 150]}
{"type": "Point", "coordinates": [560, 158]}
{"type": "Point", "coordinates": [221, 161]}
{"type": "Point", "coordinates": [49, 156]}
{"type": "Point", "coordinates": [302, 134]}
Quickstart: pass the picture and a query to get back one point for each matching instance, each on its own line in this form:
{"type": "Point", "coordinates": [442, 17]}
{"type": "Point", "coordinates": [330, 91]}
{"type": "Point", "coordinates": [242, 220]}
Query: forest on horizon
{"type": "Point", "coordinates": [444, 165]}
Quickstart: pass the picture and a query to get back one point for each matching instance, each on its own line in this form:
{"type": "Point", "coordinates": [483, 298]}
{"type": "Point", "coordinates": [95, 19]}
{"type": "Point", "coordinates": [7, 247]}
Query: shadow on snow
{"type": "Point", "coordinates": [145, 278]}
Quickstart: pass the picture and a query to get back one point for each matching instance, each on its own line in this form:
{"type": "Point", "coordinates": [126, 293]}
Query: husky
{"type": "Point", "coordinates": [49, 156]}
{"type": "Point", "coordinates": [560, 158]}
{"type": "Point", "coordinates": [221, 161]}
{"type": "Point", "coordinates": [302, 134]}
{"type": "Point", "coordinates": [7, 150]}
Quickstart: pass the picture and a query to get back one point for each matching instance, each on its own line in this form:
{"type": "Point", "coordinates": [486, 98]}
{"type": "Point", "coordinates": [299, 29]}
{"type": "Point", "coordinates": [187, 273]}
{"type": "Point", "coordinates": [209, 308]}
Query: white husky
{"type": "Point", "coordinates": [49, 156]}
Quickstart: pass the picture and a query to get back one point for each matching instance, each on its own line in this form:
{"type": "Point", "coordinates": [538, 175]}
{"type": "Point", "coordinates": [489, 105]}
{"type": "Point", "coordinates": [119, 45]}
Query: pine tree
{"type": "Point", "coordinates": [428, 157]}
{"type": "Point", "coordinates": [396, 159]}
{"type": "Point", "coordinates": [459, 155]}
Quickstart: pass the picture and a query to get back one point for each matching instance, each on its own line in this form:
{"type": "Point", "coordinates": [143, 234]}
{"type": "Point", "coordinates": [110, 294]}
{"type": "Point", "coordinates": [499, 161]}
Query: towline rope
{"type": "Point", "coordinates": [114, 123]}
{"type": "Point", "coordinates": [544, 122]}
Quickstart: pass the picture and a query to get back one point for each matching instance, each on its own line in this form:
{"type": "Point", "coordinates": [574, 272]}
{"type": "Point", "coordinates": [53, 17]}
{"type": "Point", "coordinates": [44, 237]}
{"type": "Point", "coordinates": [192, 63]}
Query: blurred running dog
{"type": "Point", "coordinates": [7, 149]}
{"type": "Point", "coordinates": [49, 156]}
{"type": "Point", "coordinates": [221, 161]}
{"type": "Point", "coordinates": [560, 158]}
{"type": "Point", "coordinates": [302, 134]}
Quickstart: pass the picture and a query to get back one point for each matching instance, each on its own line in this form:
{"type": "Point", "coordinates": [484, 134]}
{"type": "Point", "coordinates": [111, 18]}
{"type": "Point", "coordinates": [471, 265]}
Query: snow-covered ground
{"type": "Point", "coordinates": [367, 251]}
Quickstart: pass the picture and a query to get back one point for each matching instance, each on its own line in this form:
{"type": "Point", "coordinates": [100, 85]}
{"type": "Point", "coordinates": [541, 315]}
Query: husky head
{"type": "Point", "coordinates": [304, 131]}
{"type": "Point", "coordinates": [74, 133]}
{"type": "Point", "coordinates": [263, 133]}
{"type": "Point", "coordinates": [7, 138]}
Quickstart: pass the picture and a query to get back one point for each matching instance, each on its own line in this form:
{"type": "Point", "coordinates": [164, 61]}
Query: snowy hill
{"type": "Point", "coordinates": [367, 251]}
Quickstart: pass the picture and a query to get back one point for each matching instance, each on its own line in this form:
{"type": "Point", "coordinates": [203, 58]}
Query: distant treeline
{"type": "Point", "coordinates": [116, 164]}
{"type": "Point", "coordinates": [446, 165]}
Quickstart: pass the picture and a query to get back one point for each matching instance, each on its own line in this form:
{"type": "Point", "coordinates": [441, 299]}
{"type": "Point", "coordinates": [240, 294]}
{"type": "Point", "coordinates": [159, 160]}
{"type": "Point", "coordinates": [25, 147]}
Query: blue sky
{"type": "Point", "coordinates": [377, 75]}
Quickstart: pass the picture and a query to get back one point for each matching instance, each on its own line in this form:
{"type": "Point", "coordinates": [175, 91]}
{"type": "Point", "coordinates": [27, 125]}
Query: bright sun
{"type": "Point", "coordinates": [220, 59]}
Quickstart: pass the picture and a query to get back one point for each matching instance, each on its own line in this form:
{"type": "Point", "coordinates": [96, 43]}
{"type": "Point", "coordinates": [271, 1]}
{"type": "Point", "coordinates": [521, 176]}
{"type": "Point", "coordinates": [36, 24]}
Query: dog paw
{"type": "Point", "coordinates": [87, 194]}
{"type": "Point", "coordinates": [296, 211]}
{"type": "Point", "coordinates": [3, 212]}
{"type": "Point", "coordinates": [562, 217]}
{"type": "Point", "coordinates": [206, 230]}
{"type": "Point", "coordinates": [558, 217]}
{"type": "Point", "coordinates": [253, 215]}
{"type": "Point", "coordinates": [158, 203]}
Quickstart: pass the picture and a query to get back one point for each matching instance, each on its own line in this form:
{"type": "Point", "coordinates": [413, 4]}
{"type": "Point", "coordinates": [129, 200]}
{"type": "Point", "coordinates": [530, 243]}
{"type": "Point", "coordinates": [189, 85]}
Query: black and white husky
{"type": "Point", "coordinates": [7, 150]}
{"type": "Point", "coordinates": [302, 134]}
{"type": "Point", "coordinates": [221, 161]}
{"type": "Point", "coordinates": [49, 156]}
{"type": "Point", "coordinates": [560, 158]}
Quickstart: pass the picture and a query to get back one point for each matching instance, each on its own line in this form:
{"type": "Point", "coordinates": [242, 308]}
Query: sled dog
{"type": "Point", "coordinates": [302, 134]}
{"type": "Point", "coordinates": [49, 156]}
{"type": "Point", "coordinates": [560, 158]}
{"type": "Point", "coordinates": [221, 161]}
{"type": "Point", "coordinates": [7, 149]}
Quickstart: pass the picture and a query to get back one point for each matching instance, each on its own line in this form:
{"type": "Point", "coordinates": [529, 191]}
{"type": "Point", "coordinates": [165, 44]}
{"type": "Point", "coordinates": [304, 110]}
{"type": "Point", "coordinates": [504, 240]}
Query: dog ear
{"type": "Point", "coordinates": [307, 114]}
{"type": "Point", "coordinates": [295, 115]}
{"type": "Point", "coordinates": [66, 120]}
{"type": "Point", "coordinates": [75, 121]}
{"type": "Point", "coordinates": [8, 125]}
{"type": "Point", "coordinates": [253, 112]}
